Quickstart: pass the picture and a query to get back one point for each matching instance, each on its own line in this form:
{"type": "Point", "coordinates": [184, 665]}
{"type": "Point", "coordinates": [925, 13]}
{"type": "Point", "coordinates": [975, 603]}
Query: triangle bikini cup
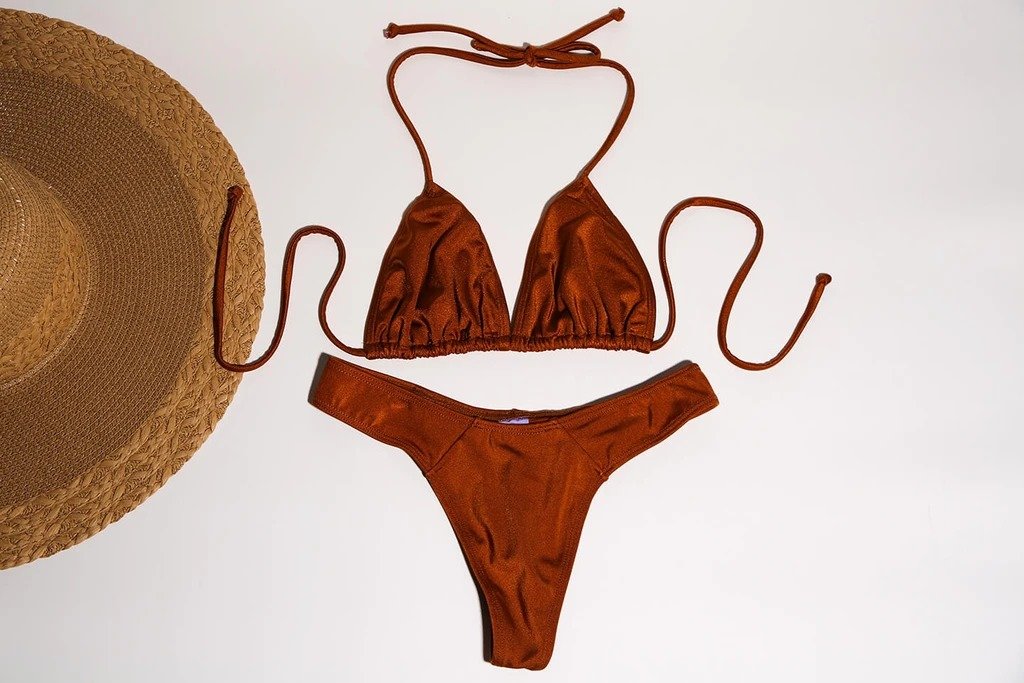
{"type": "Point", "coordinates": [584, 283]}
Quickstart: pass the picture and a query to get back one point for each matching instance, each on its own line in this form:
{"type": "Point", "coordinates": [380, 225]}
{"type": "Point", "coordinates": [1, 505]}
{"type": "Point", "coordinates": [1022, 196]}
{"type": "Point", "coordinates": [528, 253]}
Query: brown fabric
{"type": "Point", "coordinates": [584, 283]}
{"type": "Point", "coordinates": [516, 494]}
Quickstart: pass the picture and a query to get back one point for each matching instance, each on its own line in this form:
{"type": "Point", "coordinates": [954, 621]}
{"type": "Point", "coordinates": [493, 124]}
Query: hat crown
{"type": "Point", "coordinates": [43, 272]}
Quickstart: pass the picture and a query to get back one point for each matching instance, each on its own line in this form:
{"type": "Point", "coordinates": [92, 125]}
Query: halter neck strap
{"type": "Point", "coordinates": [220, 279]}
{"type": "Point", "coordinates": [567, 52]}
{"type": "Point", "coordinates": [821, 281]}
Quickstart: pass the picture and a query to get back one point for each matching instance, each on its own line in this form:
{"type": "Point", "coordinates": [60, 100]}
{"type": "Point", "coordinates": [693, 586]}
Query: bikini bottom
{"type": "Point", "coordinates": [515, 484]}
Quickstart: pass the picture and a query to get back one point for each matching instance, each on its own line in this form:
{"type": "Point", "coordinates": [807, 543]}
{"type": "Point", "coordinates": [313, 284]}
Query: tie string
{"type": "Point", "coordinates": [568, 50]}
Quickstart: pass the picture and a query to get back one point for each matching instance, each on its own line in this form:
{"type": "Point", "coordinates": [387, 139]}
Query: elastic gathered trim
{"type": "Point", "coordinates": [629, 342]}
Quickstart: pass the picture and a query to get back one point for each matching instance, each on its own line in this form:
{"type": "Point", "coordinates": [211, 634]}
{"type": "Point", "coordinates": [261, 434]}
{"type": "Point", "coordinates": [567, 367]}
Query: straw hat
{"type": "Point", "coordinates": [113, 183]}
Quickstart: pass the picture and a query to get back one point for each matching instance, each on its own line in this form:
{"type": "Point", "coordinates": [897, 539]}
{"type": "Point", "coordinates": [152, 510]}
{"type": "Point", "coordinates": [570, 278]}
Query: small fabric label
{"type": "Point", "coordinates": [515, 421]}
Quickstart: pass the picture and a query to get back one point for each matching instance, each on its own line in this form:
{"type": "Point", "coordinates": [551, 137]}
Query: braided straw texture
{"type": "Point", "coordinates": [117, 482]}
{"type": "Point", "coordinates": [43, 286]}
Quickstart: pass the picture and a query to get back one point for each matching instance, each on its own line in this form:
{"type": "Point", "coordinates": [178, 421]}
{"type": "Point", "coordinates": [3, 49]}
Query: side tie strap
{"type": "Point", "coordinates": [220, 279]}
{"type": "Point", "coordinates": [822, 280]}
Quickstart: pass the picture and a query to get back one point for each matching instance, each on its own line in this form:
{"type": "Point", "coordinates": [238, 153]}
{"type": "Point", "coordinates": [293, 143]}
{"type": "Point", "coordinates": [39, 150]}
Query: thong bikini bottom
{"type": "Point", "coordinates": [515, 484]}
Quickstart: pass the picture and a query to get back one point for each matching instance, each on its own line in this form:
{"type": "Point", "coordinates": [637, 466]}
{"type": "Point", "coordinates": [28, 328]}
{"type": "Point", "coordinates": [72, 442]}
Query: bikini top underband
{"type": "Point", "coordinates": [584, 284]}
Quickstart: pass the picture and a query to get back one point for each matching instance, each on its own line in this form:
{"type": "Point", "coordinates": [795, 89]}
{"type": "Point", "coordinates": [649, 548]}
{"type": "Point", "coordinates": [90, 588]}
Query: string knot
{"type": "Point", "coordinates": [529, 55]}
{"type": "Point", "coordinates": [565, 52]}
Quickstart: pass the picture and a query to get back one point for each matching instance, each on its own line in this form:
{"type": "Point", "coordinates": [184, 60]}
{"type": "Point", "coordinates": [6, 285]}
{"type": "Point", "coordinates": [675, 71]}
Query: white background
{"type": "Point", "coordinates": [854, 514]}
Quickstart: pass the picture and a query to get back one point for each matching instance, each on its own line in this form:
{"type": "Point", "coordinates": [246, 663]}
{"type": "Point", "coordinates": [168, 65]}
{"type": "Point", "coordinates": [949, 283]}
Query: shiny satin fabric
{"type": "Point", "coordinates": [584, 283]}
{"type": "Point", "coordinates": [515, 484]}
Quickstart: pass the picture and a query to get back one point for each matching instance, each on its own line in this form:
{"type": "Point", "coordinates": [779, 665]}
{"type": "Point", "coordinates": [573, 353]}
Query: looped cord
{"type": "Point", "coordinates": [220, 279]}
{"type": "Point", "coordinates": [821, 281]}
{"type": "Point", "coordinates": [567, 52]}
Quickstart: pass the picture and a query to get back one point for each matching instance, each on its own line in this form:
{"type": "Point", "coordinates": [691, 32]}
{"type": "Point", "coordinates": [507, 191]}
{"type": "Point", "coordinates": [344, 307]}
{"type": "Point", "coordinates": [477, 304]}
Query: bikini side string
{"type": "Point", "coordinates": [220, 278]}
{"type": "Point", "coordinates": [821, 281]}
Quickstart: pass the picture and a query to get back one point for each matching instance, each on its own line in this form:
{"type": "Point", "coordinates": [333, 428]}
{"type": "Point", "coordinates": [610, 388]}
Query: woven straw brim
{"type": "Point", "coordinates": [114, 181]}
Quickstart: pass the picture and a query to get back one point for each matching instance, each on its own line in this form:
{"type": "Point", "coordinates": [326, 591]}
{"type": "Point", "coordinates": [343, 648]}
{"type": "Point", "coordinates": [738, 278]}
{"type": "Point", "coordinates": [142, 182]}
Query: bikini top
{"type": "Point", "coordinates": [584, 283]}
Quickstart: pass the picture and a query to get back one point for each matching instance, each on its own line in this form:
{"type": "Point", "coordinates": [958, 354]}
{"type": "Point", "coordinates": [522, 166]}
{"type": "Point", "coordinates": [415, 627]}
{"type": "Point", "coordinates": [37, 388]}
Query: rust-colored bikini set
{"type": "Point", "coordinates": [515, 484]}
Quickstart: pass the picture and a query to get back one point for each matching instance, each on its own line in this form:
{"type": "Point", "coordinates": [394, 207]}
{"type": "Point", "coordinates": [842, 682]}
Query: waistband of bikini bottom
{"type": "Point", "coordinates": [340, 380]}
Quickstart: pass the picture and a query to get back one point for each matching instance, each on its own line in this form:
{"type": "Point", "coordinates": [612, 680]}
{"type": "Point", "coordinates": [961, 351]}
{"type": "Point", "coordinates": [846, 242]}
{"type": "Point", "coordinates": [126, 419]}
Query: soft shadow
{"type": "Point", "coordinates": [321, 365]}
{"type": "Point", "coordinates": [485, 614]}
